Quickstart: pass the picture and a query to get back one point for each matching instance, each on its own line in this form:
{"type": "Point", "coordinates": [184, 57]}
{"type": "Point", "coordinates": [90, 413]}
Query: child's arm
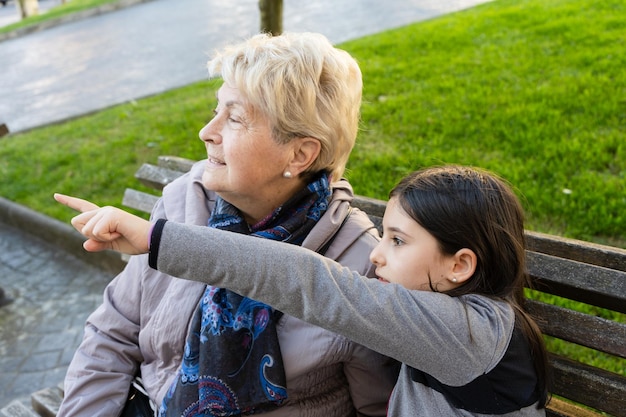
{"type": "Point", "coordinates": [108, 227]}
{"type": "Point", "coordinates": [414, 327]}
{"type": "Point", "coordinates": [450, 339]}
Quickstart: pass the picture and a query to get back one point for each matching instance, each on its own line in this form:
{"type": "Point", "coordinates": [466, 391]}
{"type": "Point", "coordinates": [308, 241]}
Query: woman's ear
{"type": "Point", "coordinates": [305, 152]}
{"type": "Point", "coordinates": [464, 265]}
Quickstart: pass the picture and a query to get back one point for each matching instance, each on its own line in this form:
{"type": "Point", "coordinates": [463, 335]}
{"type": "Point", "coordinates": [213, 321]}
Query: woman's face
{"type": "Point", "coordinates": [245, 165]}
{"type": "Point", "coordinates": [408, 254]}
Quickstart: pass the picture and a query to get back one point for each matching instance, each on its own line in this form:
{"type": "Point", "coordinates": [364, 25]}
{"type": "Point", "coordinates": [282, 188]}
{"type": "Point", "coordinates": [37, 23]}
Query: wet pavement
{"type": "Point", "coordinates": [93, 63]}
{"type": "Point", "coordinates": [52, 293]}
{"type": "Point", "coordinates": [52, 285]}
{"type": "Point", "coordinates": [155, 46]}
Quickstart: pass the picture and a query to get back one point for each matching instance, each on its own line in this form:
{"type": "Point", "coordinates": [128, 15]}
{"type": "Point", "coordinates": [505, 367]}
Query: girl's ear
{"type": "Point", "coordinates": [464, 265]}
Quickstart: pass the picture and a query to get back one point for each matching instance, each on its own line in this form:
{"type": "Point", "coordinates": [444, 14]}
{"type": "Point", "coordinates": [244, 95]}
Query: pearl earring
{"type": "Point", "coordinates": [454, 280]}
{"type": "Point", "coordinates": [287, 174]}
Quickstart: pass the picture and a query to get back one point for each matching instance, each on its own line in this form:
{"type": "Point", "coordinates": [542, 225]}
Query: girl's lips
{"type": "Point", "coordinates": [381, 279]}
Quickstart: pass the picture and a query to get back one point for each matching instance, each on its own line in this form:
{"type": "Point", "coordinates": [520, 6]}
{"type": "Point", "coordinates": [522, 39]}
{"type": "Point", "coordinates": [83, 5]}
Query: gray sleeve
{"type": "Point", "coordinates": [465, 335]}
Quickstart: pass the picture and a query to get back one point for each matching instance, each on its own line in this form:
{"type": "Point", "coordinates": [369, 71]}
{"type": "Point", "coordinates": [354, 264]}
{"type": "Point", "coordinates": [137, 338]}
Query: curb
{"type": "Point", "coordinates": [57, 234]}
{"type": "Point", "coordinates": [72, 17]}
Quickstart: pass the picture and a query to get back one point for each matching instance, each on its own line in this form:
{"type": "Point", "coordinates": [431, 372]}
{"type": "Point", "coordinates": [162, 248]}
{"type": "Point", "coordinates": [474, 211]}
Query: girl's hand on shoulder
{"type": "Point", "coordinates": [108, 227]}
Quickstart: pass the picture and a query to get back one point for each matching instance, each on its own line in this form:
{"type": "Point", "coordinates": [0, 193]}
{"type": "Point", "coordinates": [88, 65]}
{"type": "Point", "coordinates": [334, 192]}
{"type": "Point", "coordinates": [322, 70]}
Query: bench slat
{"type": "Point", "coordinates": [17, 409]}
{"type": "Point", "coordinates": [47, 402]}
{"type": "Point", "coordinates": [156, 177]}
{"type": "Point", "coordinates": [586, 283]}
{"type": "Point", "coordinates": [176, 163]}
{"type": "Point", "coordinates": [139, 200]}
{"type": "Point", "coordinates": [372, 206]}
{"type": "Point", "coordinates": [560, 408]}
{"type": "Point", "coordinates": [584, 384]}
{"type": "Point", "coordinates": [577, 250]}
{"type": "Point", "coordinates": [594, 332]}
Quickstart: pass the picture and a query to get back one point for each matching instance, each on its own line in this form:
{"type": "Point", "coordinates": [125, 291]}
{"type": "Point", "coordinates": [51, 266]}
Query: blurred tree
{"type": "Point", "coordinates": [27, 8]}
{"type": "Point", "coordinates": [271, 16]}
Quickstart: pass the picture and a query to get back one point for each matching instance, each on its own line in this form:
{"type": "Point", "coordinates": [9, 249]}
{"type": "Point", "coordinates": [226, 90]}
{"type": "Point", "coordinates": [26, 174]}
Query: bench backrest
{"type": "Point", "coordinates": [575, 272]}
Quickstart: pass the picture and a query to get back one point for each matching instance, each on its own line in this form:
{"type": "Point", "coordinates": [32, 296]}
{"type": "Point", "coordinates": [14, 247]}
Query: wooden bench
{"type": "Point", "coordinates": [569, 269]}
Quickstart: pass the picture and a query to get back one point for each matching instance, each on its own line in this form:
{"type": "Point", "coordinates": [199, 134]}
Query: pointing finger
{"type": "Point", "coordinates": [77, 204]}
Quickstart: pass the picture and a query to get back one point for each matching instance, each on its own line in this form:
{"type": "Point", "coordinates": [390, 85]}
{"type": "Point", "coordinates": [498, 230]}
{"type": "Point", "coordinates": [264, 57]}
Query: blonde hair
{"type": "Point", "coordinates": [304, 85]}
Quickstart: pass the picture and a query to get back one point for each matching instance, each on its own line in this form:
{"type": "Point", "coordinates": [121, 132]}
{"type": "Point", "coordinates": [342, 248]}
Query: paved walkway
{"type": "Point", "coordinates": [84, 66]}
{"type": "Point", "coordinates": [53, 285]}
{"type": "Point", "coordinates": [146, 49]}
{"type": "Point", "coordinates": [53, 292]}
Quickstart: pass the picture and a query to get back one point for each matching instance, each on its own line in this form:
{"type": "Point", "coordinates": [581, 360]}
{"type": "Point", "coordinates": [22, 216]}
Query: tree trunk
{"type": "Point", "coordinates": [27, 8]}
{"type": "Point", "coordinates": [271, 16]}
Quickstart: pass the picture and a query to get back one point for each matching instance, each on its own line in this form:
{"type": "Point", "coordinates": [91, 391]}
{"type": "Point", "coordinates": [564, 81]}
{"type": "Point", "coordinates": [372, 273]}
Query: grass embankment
{"type": "Point", "coordinates": [532, 90]}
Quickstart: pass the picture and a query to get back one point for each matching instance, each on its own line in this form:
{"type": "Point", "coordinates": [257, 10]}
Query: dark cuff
{"type": "Point", "coordinates": [155, 242]}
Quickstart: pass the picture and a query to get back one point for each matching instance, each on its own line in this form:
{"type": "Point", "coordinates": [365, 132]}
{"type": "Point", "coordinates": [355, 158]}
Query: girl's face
{"type": "Point", "coordinates": [245, 164]}
{"type": "Point", "coordinates": [408, 255]}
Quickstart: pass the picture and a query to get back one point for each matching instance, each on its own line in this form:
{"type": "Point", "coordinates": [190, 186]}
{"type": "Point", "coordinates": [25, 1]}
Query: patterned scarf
{"type": "Point", "coordinates": [232, 362]}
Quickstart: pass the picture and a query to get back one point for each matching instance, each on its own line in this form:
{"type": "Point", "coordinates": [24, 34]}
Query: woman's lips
{"type": "Point", "coordinates": [214, 161]}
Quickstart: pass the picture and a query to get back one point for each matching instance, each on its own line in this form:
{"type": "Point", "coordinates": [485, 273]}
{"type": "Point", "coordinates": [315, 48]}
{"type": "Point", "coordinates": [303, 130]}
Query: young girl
{"type": "Point", "coordinates": [447, 304]}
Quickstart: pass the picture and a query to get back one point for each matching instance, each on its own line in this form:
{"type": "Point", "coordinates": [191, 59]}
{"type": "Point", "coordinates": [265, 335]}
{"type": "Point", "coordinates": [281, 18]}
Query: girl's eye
{"type": "Point", "coordinates": [395, 240]}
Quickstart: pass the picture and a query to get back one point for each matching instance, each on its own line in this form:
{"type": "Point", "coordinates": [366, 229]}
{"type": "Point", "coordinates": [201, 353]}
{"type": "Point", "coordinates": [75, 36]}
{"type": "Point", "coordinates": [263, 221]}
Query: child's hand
{"type": "Point", "coordinates": [108, 227]}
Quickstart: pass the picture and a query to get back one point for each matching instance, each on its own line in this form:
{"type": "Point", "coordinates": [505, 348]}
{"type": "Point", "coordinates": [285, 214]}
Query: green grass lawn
{"type": "Point", "coordinates": [533, 90]}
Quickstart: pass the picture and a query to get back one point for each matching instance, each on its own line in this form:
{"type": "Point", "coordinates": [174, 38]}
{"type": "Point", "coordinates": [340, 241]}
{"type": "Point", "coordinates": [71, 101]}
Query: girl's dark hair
{"type": "Point", "coordinates": [471, 208]}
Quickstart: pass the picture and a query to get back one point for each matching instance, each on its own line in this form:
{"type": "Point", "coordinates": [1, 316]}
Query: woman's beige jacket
{"type": "Point", "coordinates": [143, 320]}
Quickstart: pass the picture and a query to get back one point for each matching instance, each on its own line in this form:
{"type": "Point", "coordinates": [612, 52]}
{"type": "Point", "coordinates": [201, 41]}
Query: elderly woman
{"type": "Point", "coordinates": [286, 120]}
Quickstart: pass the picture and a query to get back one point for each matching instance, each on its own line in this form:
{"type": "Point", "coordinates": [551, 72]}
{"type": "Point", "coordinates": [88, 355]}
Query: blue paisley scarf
{"type": "Point", "coordinates": [232, 362]}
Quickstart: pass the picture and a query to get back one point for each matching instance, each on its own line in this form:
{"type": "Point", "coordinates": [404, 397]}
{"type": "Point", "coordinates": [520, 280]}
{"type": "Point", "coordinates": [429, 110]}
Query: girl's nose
{"type": "Point", "coordinates": [376, 256]}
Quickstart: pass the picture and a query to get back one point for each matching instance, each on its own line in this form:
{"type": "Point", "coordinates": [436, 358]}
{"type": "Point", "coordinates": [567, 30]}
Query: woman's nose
{"type": "Point", "coordinates": [209, 133]}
